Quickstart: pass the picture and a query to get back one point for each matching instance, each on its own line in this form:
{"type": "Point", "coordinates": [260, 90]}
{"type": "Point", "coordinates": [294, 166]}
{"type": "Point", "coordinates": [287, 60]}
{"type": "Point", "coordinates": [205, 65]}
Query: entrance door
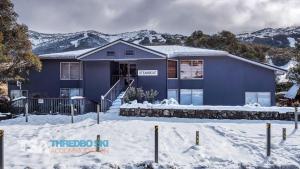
{"type": "Point", "coordinates": [127, 71]}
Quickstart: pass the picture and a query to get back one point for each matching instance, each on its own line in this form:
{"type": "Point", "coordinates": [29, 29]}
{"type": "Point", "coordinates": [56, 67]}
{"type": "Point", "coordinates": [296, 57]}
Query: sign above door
{"type": "Point", "coordinates": [147, 72]}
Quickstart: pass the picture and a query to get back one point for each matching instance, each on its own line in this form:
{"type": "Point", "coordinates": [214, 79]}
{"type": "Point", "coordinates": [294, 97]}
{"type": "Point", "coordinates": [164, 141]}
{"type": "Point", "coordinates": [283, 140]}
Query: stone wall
{"type": "Point", "coordinates": [207, 114]}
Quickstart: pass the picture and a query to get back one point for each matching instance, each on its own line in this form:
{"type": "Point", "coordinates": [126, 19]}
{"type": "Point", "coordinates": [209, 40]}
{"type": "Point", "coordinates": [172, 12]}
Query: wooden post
{"type": "Point", "coordinates": [296, 117]}
{"type": "Point", "coordinates": [197, 138]}
{"type": "Point", "coordinates": [26, 112]}
{"type": "Point", "coordinates": [98, 143]}
{"type": "Point", "coordinates": [98, 113]}
{"type": "Point", "coordinates": [156, 145]}
{"type": "Point", "coordinates": [72, 113]}
{"type": "Point", "coordinates": [268, 139]}
{"type": "Point", "coordinates": [1, 149]}
{"type": "Point", "coordinates": [283, 134]}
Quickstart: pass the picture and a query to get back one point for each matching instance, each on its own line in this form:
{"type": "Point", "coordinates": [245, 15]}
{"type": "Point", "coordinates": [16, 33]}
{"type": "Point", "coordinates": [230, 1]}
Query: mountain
{"type": "Point", "coordinates": [43, 43]}
{"type": "Point", "coordinates": [276, 37]}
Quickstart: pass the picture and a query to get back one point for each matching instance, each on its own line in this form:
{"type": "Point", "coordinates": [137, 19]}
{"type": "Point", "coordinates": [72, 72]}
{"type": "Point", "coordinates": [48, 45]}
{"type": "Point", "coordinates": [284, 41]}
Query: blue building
{"type": "Point", "coordinates": [190, 75]}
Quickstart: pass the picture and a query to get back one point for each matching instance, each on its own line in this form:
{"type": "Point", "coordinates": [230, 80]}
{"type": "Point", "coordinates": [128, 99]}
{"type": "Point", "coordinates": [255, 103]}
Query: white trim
{"type": "Point", "coordinates": [255, 63]}
{"type": "Point", "coordinates": [69, 63]}
{"type": "Point", "coordinates": [193, 60]}
{"type": "Point", "coordinates": [133, 59]}
{"type": "Point", "coordinates": [124, 42]}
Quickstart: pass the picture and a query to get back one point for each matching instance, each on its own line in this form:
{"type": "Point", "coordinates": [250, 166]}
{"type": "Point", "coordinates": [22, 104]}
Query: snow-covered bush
{"type": "Point", "coordinates": [134, 94]}
{"type": "Point", "coordinates": [170, 102]}
{"type": "Point", "coordinates": [151, 95]}
{"type": "Point", "coordinates": [140, 95]}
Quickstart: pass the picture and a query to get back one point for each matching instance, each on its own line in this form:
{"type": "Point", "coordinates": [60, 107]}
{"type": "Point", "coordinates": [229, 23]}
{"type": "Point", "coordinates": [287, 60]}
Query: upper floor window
{"type": "Point", "coordinates": [129, 52]}
{"type": "Point", "coordinates": [70, 71]}
{"type": "Point", "coordinates": [110, 53]}
{"type": "Point", "coordinates": [191, 69]}
{"type": "Point", "coordinates": [172, 69]}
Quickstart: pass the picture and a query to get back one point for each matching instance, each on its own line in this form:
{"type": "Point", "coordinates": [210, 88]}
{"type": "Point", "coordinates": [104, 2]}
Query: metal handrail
{"type": "Point", "coordinates": [122, 97]}
{"type": "Point", "coordinates": [111, 95]}
{"type": "Point", "coordinates": [106, 94]}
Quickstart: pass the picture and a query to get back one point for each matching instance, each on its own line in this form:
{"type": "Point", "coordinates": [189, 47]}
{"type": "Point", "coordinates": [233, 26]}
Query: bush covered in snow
{"type": "Point", "coordinates": [140, 95]}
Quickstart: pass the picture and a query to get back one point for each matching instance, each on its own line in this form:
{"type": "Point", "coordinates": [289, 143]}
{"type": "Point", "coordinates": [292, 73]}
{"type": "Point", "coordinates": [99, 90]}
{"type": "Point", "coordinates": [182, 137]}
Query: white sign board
{"type": "Point", "coordinates": [147, 72]}
{"type": "Point", "coordinates": [41, 101]}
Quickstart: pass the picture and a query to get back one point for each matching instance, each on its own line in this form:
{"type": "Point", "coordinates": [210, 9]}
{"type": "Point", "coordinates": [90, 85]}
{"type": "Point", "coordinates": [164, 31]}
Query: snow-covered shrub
{"type": "Point", "coordinates": [140, 95]}
{"type": "Point", "coordinates": [170, 102]}
{"type": "Point", "coordinates": [134, 94]}
{"type": "Point", "coordinates": [151, 95]}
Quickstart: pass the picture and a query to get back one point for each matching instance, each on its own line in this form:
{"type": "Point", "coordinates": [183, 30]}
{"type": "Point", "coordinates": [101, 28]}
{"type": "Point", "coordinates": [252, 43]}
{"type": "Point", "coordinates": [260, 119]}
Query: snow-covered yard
{"type": "Point", "coordinates": [223, 143]}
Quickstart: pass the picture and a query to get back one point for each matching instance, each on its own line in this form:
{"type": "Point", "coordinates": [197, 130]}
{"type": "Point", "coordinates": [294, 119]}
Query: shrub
{"type": "Point", "coordinates": [140, 95]}
{"type": "Point", "coordinates": [151, 95]}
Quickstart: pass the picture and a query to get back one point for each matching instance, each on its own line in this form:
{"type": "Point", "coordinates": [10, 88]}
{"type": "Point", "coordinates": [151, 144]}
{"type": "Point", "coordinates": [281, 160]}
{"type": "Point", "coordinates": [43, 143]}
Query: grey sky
{"type": "Point", "coordinates": [173, 16]}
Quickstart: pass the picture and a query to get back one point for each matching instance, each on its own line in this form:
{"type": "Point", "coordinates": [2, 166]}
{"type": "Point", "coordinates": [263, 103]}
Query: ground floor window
{"type": "Point", "coordinates": [70, 92]}
{"type": "Point", "coordinates": [18, 93]}
{"type": "Point", "coordinates": [262, 98]}
{"type": "Point", "coordinates": [173, 93]}
{"type": "Point", "coordinates": [191, 96]}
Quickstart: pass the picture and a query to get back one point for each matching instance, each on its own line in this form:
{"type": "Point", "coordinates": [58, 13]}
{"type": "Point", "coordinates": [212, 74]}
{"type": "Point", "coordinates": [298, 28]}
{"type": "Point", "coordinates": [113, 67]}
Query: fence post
{"type": "Point", "coordinates": [72, 113]}
{"type": "Point", "coordinates": [1, 149]}
{"type": "Point", "coordinates": [197, 138]}
{"type": "Point", "coordinates": [296, 118]}
{"type": "Point", "coordinates": [98, 143]}
{"type": "Point", "coordinates": [102, 104]}
{"type": "Point", "coordinates": [98, 113]}
{"type": "Point", "coordinates": [268, 139]}
{"type": "Point", "coordinates": [156, 145]}
{"type": "Point", "coordinates": [283, 134]}
{"type": "Point", "coordinates": [26, 112]}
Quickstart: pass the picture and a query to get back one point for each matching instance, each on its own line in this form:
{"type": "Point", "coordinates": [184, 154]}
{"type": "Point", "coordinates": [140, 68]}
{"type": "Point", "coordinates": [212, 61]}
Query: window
{"type": "Point", "coordinates": [191, 69]}
{"type": "Point", "coordinates": [70, 71]}
{"type": "Point", "coordinates": [173, 93]}
{"type": "Point", "coordinates": [172, 69]}
{"type": "Point", "coordinates": [262, 98]}
{"type": "Point", "coordinates": [129, 52]}
{"type": "Point", "coordinates": [18, 93]}
{"type": "Point", "coordinates": [191, 96]}
{"type": "Point", "coordinates": [110, 53]}
{"type": "Point", "coordinates": [70, 92]}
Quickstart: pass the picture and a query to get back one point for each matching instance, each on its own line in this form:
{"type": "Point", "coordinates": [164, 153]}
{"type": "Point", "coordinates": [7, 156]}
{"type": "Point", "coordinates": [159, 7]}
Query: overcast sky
{"type": "Point", "coordinates": [173, 16]}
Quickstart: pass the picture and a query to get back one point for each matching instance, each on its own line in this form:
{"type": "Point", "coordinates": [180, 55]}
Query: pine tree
{"type": "Point", "coordinates": [16, 57]}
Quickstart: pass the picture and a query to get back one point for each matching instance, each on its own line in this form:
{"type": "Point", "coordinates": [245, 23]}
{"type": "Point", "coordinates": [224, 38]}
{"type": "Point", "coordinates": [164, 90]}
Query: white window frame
{"type": "Point", "coordinates": [80, 91]}
{"type": "Point", "coordinates": [257, 98]}
{"type": "Point", "coordinates": [191, 91]}
{"type": "Point", "coordinates": [192, 60]}
{"type": "Point", "coordinates": [69, 63]}
{"type": "Point", "coordinates": [176, 69]}
{"type": "Point", "coordinates": [177, 93]}
{"type": "Point", "coordinates": [126, 54]}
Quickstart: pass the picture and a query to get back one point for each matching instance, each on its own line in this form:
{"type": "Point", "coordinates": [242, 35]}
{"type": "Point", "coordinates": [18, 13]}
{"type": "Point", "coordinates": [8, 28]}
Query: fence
{"type": "Point", "coordinates": [53, 106]}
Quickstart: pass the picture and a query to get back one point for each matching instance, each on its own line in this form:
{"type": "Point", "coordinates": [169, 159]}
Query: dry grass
{"type": "Point", "coordinates": [3, 89]}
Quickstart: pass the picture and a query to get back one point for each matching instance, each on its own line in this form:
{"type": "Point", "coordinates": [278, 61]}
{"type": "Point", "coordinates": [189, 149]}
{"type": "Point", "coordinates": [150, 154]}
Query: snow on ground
{"type": "Point", "coordinates": [207, 107]}
{"type": "Point", "coordinates": [223, 143]}
{"type": "Point", "coordinates": [283, 78]}
{"type": "Point", "coordinates": [292, 42]}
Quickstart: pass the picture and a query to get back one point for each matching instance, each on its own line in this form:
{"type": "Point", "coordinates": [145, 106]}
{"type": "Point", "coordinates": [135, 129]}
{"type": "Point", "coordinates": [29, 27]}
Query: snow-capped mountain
{"type": "Point", "coordinates": [43, 43]}
{"type": "Point", "coordinates": [276, 37]}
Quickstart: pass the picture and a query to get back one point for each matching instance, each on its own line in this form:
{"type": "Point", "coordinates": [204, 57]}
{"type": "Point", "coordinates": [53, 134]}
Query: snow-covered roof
{"type": "Point", "coordinates": [176, 50]}
{"type": "Point", "coordinates": [65, 55]}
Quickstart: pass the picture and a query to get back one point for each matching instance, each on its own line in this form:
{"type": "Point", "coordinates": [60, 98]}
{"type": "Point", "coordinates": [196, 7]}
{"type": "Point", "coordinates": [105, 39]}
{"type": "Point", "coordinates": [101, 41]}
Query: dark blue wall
{"type": "Point", "coordinates": [96, 79]}
{"type": "Point", "coordinates": [47, 82]}
{"type": "Point", "coordinates": [226, 80]}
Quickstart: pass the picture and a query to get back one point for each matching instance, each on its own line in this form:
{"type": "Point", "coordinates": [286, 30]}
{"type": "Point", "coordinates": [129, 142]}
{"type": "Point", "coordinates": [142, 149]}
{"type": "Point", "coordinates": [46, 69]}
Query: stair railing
{"type": "Point", "coordinates": [111, 95]}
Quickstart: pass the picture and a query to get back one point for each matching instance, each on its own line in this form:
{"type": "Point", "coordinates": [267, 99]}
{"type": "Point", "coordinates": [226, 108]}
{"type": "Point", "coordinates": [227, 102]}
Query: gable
{"type": "Point", "coordinates": [117, 51]}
